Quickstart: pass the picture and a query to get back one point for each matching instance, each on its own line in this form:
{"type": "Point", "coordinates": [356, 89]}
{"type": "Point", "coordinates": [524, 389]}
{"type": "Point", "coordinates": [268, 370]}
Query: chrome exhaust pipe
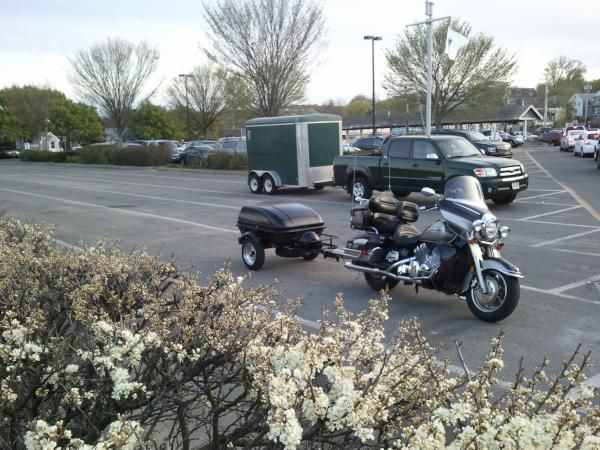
{"type": "Point", "coordinates": [372, 270]}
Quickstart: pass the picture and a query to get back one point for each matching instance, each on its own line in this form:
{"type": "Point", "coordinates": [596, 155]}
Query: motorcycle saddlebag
{"type": "Point", "coordinates": [408, 212]}
{"type": "Point", "coordinates": [361, 218]}
{"type": "Point", "coordinates": [384, 203]}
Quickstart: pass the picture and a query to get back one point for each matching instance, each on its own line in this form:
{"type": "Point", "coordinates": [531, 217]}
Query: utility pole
{"type": "Point", "coordinates": [546, 105]}
{"type": "Point", "coordinates": [429, 23]}
{"type": "Point", "coordinates": [587, 87]}
{"type": "Point", "coordinates": [373, 39]}
{"type": "Point", "coordinates": [185, 77]}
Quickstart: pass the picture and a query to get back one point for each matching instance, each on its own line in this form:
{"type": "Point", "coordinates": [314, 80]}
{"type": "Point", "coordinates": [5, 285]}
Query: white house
{"type": "Point", "coordinates": [578, 102]}
{"type": "Point", "coordinates": [50, 143]}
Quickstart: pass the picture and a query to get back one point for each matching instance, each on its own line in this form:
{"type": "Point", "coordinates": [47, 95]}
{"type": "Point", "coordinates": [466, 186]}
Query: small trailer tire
{"type": "Point", "coordinates": [253, 253]}
{"type": "Point", "coordinates": [269, 186]}
{"type": "Point", "coordinates": [255, 184]}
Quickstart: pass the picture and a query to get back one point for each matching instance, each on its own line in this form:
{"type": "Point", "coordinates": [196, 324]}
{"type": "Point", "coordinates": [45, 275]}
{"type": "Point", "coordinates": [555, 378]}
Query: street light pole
{"type": "Point", "coordinates": [429, 24]}
{"type": "Point", "coordinates": [185, 77]}
{"type": "Point", "coordinates": [373, 39]}
{"type": "Point", "coordinates": [587, 87]}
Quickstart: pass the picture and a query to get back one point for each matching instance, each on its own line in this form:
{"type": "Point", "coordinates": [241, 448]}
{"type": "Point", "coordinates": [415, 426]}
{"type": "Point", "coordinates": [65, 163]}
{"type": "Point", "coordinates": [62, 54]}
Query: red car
{"type": "Point", "coordinates": [551, 137]}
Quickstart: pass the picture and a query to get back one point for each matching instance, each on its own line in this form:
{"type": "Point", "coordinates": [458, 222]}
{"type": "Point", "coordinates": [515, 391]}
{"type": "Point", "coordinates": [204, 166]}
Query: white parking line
{"type": "Point", "coordinates": [543, 203]}
{"type": "Point", "coordinates": [551, 212]}
{"type": "Point", "coordinates": [129, 194]}
{"type": "Point", "coordinates": [574, 252]}
{"type": "Point", "coordinates": [566, 238]}
{"type": "Point", "coordinates": [559, 224]}
{"type": "Point", "coordinates": [576, 284]}
{"type": "Point", "coordinates": [123, 211]}
{"type": "Point", "coordinates": [571, 191]}
{"type": "Point", "coordinates": [542, 195]}
{"type": "Point", "coordinates": [182, 188]}
{"type": "Point", "coordinates": [561, 295]}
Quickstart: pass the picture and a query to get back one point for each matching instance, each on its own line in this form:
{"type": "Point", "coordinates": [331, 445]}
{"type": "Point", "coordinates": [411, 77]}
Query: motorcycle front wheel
{"type": "Point", "coordinates": [378, 282]}
{"type": "Point", "coordinates": [500, 300]}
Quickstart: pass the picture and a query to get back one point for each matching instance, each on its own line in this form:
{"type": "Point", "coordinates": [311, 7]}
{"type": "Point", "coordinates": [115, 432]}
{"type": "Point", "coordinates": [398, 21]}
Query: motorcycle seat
{"type": "Point", "coordinates": [406, 235]}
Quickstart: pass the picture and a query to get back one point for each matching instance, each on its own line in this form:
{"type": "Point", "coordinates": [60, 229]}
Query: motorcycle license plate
{"type": "Point", "coordinates": [515, 186]}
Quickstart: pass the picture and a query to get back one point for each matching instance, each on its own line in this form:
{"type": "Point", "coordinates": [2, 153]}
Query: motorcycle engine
{"type": "Point", "coordinates": [429, 261]}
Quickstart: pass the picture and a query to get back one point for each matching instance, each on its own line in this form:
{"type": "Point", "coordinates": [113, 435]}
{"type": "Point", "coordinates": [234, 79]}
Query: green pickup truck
{"type": "Point", "coordinates": [407, 164]}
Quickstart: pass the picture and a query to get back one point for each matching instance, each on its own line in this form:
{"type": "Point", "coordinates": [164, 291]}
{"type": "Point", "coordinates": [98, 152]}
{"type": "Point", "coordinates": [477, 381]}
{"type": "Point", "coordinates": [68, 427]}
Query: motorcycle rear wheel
{"type": "Point", "coordinates": [500, 301]}
{"type": "Point", "coordinates": [379, 283]}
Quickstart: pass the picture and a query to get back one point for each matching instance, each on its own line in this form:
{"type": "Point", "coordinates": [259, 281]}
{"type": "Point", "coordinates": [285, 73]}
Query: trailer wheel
{"type": "Point", "coordinates": [255, 183]}
{"type": "Point", "coordinates": [269, 186]}
{"type": "Point", "coordinates": [253, 253]}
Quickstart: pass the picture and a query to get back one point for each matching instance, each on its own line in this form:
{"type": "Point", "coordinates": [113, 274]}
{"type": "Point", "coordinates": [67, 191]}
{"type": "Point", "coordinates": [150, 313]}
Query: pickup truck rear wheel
{"type": "Point", "coordinates": [360, 188]}
{"type": "Point", "coordinates": [504, 199]}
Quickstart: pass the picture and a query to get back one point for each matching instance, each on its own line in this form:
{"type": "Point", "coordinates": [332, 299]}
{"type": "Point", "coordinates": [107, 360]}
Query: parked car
{"type": "Point", "coordinates": [347, 148]}
{"type": "Point", "coordinates": [408, 164]}
{"type": "Point", "coordinates": [567, 141]}
{"type": "Point", "coordinates": [513, 139]}
{"type": "Point", "coordinates": [368, 143]}
{"type": "Point", "coordinates": [9, 153]}
{"type": "Point", "coordinates": [587, 144]}
{"type": "Point", "coordinates": [527, 135]}
{"type": "Point", "coordinates": [173, 147]}
{"type": "Point", "coordinates": [482, 142]}
{"type": "Point", "coordinates": [551, 137]}
{"type": "Point", "coordinates": [195, 154]}
{"type": "Point", "coordinates": [235, 146]}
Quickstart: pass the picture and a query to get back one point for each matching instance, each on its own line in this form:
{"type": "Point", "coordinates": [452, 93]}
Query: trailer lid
{"type": "Point", "coordinates": [288, 120]}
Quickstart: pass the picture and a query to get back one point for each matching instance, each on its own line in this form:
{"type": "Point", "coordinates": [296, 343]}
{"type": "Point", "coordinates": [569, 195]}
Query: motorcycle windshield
{"type": "Point", "coordinates": [465, 189]}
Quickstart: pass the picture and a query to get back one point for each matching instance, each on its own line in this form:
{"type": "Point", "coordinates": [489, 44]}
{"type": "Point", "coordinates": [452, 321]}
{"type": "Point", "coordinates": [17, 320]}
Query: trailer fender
{"type": "Point", "coordinates": [275, 175]}
{"type": "Point", "coordinates": [245, 236]}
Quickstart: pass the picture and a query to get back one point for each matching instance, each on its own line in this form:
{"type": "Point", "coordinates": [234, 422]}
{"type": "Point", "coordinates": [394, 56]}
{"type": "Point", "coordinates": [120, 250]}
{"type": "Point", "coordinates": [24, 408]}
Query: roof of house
{"type": "Point", "coordinates": [505, 113]}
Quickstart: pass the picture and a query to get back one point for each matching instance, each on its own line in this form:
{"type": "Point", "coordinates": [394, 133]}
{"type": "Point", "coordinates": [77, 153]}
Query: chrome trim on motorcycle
{"type": "Point", "coordinates": [477, 261]}
{"type": "Point", "coordinates": [375, 271]}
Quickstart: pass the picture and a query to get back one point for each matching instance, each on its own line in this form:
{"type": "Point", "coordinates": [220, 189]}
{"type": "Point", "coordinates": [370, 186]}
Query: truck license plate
{"type": "Point", "coordinates": [515, 186]}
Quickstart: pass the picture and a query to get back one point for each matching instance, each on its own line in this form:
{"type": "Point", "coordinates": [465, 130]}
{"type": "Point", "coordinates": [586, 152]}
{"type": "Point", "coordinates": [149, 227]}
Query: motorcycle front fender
{"type": "Point", "coordinates": [501, 265]}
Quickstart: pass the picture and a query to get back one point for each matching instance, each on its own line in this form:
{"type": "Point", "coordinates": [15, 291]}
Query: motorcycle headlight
{"type": "Point", "coordinates": [504, 231]}
{"type": "Point", "coordinates": [490, 229]}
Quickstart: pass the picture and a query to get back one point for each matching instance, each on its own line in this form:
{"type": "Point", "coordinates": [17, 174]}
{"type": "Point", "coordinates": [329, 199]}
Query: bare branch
{"type": "Point", "coordinates": [112, 75]}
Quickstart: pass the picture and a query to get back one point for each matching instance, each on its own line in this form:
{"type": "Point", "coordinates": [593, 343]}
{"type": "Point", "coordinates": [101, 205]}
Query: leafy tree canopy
{"type": "Point", "coordinates": [32, 110]}
{"type": "Point", "coordinates": [154, 122]}
{"type": "Point", "coordinates": [457, 84]}
{"type": "Point", "coordinates": [358, 106]}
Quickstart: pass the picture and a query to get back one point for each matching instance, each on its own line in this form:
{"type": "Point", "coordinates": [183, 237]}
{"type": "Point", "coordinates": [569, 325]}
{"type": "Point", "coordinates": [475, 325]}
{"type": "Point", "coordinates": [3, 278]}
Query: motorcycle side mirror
{"type": "Point", "coordinates": [428, 192]}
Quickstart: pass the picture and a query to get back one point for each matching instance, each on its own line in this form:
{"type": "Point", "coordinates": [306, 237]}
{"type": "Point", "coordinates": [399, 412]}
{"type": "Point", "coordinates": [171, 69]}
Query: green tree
{"type": "Point", "coordinates": [75, 122]}
{"type": "Point", "coordinates": [457, 84]}
{"type": "Point", "coordinates": [33, 110]}
{"type": "Point", "coordinates": [9, 129]}
{"type": "Point", "coordinates": [358, 106]}
{"type": "Point", "coordinates": [269, 43]}
{"type": "Point", "coordinates": [154, 122]}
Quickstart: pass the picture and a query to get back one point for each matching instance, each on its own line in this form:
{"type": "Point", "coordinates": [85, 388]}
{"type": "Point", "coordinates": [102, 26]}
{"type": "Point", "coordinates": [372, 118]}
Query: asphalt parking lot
{"type": "Point", "coordinates": [192, 214]}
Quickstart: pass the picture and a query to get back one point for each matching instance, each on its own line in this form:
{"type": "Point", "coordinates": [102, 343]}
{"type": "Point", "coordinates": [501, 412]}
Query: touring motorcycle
{"type": "Point", "coordinates": [457, 255]}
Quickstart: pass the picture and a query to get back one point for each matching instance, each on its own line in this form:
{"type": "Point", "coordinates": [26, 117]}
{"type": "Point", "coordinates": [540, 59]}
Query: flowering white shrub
{"type": "Point", "coordinates": [109, 350]}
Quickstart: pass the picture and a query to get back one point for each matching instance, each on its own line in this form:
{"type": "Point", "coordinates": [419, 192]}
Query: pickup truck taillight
{"type": "Point", "coordinates": [587, 141]}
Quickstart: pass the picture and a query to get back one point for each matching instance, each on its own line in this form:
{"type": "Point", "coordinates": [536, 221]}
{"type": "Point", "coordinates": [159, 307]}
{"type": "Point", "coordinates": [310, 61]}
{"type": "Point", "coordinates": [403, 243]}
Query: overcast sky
{"type": "Point", "coordinates": [38, 36]}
